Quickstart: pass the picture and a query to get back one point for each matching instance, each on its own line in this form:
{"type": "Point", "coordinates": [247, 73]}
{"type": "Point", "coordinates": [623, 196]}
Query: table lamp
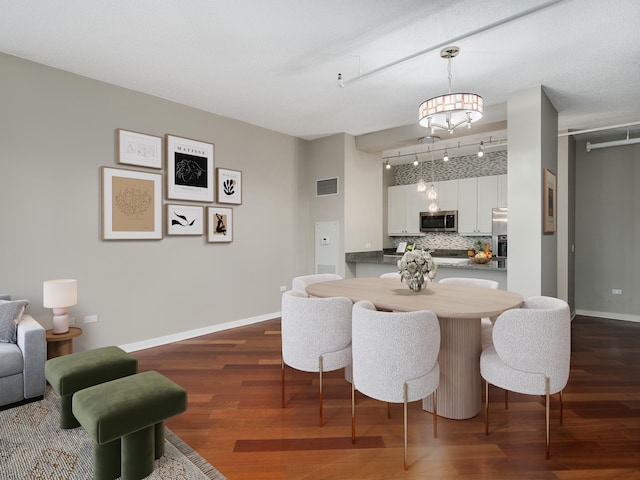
{"type": "Point", "coordinates": [60, 295]}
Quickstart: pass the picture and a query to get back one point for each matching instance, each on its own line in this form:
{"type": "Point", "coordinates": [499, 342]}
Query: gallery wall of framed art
{"type": "Point", "coordinates": [132, 200]}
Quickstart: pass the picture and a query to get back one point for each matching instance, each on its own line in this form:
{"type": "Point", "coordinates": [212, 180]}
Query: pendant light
{"type": "Point", "coordinates": [453, 109]}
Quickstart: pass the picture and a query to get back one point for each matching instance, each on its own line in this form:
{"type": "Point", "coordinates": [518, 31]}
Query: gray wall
{"type": "Point", "coordinates": [56, 131]}
{"type": "Point", "coordinates": [608, 231]}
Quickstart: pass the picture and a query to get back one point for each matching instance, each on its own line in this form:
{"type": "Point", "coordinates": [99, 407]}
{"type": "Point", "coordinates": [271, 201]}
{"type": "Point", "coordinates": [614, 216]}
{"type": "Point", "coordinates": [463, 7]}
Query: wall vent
{"type": "Point", "coordinates": [327, 186]}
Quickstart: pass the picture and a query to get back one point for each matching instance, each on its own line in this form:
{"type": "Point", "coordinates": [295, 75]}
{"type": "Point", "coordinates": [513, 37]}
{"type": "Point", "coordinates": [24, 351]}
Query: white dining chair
{"type": "Point", "coordinates": [486, 323]}
{"type": "Point", "coordinates": [394, 275]}
{"type": "Point", "coordinates": [531, 352]}
{"type": "Point", "coordinates": [316, 335]}
{"type": "Point", "coordinates": [395, 358]}
{"type": "Point", "coordinates": [300, 283]}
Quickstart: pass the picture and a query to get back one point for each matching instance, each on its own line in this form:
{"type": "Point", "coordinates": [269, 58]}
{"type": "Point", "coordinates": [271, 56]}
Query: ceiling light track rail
{"type": "Point", "coordinates": [483, 143]}
{"type": "Point", "coordinates": [342, 83]}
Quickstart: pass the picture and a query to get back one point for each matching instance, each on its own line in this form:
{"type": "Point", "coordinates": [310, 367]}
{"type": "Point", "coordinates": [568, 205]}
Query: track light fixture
{"type": "Point", "coordinates": [481, 150]}
{"type": "Point", "coordinates": [445, 157]}
{"type": "Point", "coordinates": [387, 165]}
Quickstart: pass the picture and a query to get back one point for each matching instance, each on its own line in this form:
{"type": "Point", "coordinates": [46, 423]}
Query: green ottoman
{"type": "Point", "coordinates": [70, 373]}
{"type": "Point", "coordinates": [125, 420]}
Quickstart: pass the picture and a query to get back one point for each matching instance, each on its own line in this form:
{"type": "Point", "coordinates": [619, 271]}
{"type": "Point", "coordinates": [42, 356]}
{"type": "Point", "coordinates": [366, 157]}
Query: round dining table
{"type": "Point", "coordinates": [459, 310]}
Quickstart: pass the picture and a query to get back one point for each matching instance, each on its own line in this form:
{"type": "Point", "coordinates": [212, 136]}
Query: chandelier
{"type": "Point", "coordinates": [453, 109]}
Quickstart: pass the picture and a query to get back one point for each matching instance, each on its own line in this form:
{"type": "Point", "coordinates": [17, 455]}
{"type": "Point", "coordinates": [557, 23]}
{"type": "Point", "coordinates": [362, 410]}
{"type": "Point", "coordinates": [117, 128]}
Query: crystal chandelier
{"type": "Point", "coordinates": [453, 109]}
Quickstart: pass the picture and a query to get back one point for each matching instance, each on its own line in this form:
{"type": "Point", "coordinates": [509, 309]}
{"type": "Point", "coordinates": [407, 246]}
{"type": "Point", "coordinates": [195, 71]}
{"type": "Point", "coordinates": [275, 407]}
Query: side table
{"type": "Point", "coordinates": [59, 344]}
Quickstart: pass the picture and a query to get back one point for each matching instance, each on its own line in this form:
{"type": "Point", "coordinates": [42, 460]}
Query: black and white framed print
{"type": "Point", "coordinates": [184, 219]}
{"type": "Point", "coordinates": [229, 186]}
{"type": "Point", "coordinates": [139, 149]}
{"type": "Point", "coordinates": [189, 169]}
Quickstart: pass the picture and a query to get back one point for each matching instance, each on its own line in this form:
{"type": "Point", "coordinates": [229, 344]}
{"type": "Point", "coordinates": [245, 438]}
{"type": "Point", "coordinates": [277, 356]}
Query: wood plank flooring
{"type": "Point", "coordinates": [236, 422]}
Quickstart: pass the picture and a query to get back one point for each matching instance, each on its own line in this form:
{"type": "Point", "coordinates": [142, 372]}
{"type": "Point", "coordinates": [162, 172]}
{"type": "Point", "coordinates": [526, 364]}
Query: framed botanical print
{"type": "Point", "coordinates": [139, 149]}
{"type": "Point", "coordinates": [189, 169]}
{"type": "Point", "coordinates": [229, 186]}
{"type": "Point", "coordinates": [549, 201]}
{"type": "Point", "coordinates": [131, 205]}
{"type": "Point", "coordinates": [184, 219]}
{"type": "Point", "coordinates": [219, 224]}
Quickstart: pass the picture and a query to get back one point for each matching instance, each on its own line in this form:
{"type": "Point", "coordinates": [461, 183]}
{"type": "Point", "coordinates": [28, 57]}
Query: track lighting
{"type": "Point", "coordinates": [387, 165]}
{"type": "Point", "coordinates": [481, 150]}
{"type": "Point", "coordinates": [415, 161]}
{"type": "Point", "coordinates": [445, 158]}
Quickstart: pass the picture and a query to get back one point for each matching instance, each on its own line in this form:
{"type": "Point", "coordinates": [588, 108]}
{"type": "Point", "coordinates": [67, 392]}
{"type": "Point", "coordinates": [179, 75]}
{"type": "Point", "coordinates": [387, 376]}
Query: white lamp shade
{"type": "Point", "coordinates": [59, 293]}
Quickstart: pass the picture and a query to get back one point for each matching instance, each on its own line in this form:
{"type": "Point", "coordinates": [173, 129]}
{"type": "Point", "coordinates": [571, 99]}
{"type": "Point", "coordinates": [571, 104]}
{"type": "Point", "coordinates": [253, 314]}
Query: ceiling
{"type": "Point", "coordinates": [275, 63]}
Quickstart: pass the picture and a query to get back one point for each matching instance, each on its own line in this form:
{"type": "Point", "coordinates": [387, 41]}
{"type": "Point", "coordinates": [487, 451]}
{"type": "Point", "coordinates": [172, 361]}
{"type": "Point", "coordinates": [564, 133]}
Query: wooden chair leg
{"type": "Point", "coordinates": [320, 400]}
{"type": "Point", "coordinates": [561, 407]}
{"type": "Point", "coordinates": [506, 399]}
{"type": "Point", "coordinates": [435, 413]}
{"type": "Point", "coordinates": [388, 410]}
{"type": "Point", "coordinates": [547, 414]}
{"type": "Point", "coordinates": [282, 383]}
{"type": "Point", "coordinates": [486, 408]}
{"type": "Point", "coordinates": [353, 413]}
{"type": "Point", "coordinates": [405, 426]}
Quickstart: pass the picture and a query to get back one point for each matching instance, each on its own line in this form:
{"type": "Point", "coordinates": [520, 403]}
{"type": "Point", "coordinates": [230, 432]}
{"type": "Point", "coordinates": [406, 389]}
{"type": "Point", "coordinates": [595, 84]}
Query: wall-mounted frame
{"type": "Point", "coordinates": [139, 149]}
{"type": "Point", "coordinates": [189, 169]}
{"type": "Point", "coordinates": [229, 186]}
{"type": "Point", "coordinates": [184, 219]}
{"type": "Point", "coordinates": [131, 205]}
{"type": "Point", "coordinates": [219, 224]}
{"type": "Point", "coordinates": [549, 205]}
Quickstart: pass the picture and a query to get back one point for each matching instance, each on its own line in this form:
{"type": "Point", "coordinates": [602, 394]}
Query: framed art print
{"type": "Point", "coordinates": [139, 149]}
{"type": "Point", "coordinates": [229, 186]}
{"type": "Point", "coordinates": [184, 220]}
{"type": "Point", "coordinates": [131, 205]}
{"type": "Point", "coordinates": [189, 169]}
{"type": "Point", "coordinates": [219, 224]}
{"type": "Point", "coordinates": [549, 199]}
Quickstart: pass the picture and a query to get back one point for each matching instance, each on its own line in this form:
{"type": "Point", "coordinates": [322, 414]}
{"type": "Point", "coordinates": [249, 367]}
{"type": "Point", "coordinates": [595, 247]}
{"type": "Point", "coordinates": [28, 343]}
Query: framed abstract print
{"type": "Point", "coordinates": [189, 169]}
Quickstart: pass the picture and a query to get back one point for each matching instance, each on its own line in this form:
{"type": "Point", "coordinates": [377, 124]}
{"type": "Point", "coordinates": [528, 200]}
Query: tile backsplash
{"type": "Point", "coordinates": [492, 163]}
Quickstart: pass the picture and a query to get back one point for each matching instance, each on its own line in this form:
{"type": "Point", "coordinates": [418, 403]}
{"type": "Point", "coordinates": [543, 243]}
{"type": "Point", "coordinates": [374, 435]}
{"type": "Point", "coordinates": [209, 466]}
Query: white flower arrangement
{"type": "Point", "coordinates": [415, 266]}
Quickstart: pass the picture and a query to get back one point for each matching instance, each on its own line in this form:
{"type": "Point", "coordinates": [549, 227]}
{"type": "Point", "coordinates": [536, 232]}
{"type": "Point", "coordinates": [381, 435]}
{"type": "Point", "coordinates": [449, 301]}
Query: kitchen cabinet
{"type": "Point", "coordinates": [476, 198]}
{"type": "Point", "coordinates": [448, 195]}
{"type": "Point", "coordinates": [404, 206]}
{"type": "Point", "coordinates": [502, 191]}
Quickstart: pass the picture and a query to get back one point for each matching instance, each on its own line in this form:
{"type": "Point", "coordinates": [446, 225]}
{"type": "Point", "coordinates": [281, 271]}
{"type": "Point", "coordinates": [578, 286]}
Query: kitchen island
{"type": "Point", "coordinates": [451, 263]}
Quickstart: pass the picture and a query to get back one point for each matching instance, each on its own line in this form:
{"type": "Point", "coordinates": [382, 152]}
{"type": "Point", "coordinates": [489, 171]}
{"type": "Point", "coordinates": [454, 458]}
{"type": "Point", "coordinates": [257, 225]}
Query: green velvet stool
{"type": "Point", "coordinates": [70, 373]}
{"type": "Point", "coordinates": [125, 419]}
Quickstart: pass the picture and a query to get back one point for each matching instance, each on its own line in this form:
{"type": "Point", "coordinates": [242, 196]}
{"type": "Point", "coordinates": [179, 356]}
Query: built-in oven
{"type": "Point", "coordinates": [442, 221]}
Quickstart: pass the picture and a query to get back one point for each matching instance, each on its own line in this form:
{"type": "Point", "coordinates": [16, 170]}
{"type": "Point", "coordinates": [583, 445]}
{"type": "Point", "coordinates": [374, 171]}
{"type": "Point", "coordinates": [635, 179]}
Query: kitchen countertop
{"type": "Point", "coordinates": [443, 258]}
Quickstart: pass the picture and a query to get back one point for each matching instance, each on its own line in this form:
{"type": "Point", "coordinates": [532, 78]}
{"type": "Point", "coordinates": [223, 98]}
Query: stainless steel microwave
{"type": "Point", "coordinates": [442, 221]}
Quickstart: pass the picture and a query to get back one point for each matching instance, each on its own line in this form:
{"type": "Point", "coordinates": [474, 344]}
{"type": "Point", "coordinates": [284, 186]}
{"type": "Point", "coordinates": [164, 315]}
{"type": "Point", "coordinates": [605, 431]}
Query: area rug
{"type": "Point", "coordinates": [33, 446]}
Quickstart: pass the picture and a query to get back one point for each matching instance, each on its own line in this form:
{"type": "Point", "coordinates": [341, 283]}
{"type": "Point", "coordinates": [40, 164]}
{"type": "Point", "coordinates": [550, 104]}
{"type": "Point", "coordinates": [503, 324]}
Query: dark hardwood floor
{"type": "Point", "coordinates": [236, 422]}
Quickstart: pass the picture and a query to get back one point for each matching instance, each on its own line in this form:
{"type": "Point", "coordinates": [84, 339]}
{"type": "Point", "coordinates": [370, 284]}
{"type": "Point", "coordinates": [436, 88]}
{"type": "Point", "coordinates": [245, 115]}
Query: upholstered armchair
{"type": "Point", "coordinates": [22, 360]}
{"type": "Point", "coordinates": [486, 323]}
{"type": "Point", "coordinates": [531, 352]}
{"type": "Point", "coordinates": [395, 358]}
{"type": "Point", "coordinates": [300, 283]}
{"type": "Point", "coordinates": [316, 335]}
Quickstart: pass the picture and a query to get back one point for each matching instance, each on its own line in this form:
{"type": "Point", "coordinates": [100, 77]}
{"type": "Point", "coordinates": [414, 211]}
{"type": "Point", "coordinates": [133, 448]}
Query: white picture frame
{"type": "Point", "coordinates": [219, 224]}
{"type": "Point", "coordinates": [229, 186]}
{"type": "Point", "coordinates": [139, 149]}
{"type": "Point", "coordinates": [184, 220]}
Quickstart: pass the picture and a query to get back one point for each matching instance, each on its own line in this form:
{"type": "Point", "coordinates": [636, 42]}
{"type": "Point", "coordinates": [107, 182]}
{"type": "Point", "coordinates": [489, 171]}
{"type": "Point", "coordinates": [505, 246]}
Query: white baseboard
{"type": "Point", "coordinates": [176, 337]}
{"type": "Point", "coordinates": [612, 316]}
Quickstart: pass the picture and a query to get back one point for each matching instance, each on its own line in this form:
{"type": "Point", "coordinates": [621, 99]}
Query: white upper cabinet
{"type": "Point", "coordinates": [404, 207]}
{"type": "Point", "coordinates": [476, 198]}
{"type": "Point", "coordinates": [448, 195]}
{"type": "Point", "coordinates": [502, 191]}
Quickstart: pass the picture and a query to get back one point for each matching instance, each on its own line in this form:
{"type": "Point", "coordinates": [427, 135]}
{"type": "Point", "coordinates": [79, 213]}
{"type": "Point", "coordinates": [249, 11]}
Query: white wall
{"type": "Point", "coordinates": [532, 132]}
{"type": "Point", "coordinates": [56, 131]}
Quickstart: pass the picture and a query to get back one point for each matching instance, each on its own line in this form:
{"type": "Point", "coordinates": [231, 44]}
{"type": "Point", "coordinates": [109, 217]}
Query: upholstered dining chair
{"type": "Point", "coordinates": [394, 275]}
{"type": "Point", "coordinates": [316, 335]}
{"type": "Point", "coordinates": [531, 352]}
{"type": "Point", "coordinates": [486, 324]}
{"type": "Point", "coordinates": [300, 283]}
{"type": "Point", "coordinates": [395, 358]}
